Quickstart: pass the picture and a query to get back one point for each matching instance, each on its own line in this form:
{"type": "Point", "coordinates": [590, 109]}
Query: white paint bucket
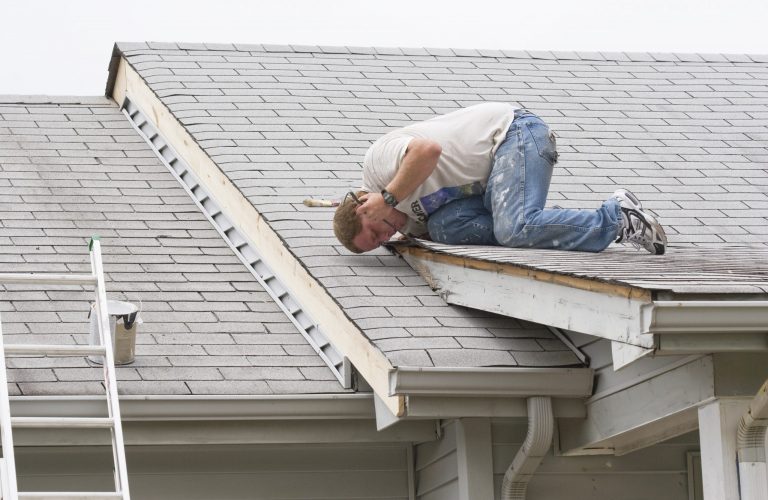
{"type": "Point", "coordinates": [123, 323]}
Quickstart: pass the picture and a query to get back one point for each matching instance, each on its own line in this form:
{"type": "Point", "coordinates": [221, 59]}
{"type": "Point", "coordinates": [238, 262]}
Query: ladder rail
{"type": "Point", "coordinates": [8, 478]}
{"type": "Point", "coordinates": [6, 431]}
{"type": "Point", "coordinates": [110, 379]}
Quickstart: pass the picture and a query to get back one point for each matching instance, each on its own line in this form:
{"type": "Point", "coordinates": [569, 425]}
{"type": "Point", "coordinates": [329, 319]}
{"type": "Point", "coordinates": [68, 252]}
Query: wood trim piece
{"type": "Point", "coordinates": [537, 275]}
{"type": "Point", "coordinates": [342, 332]}
{"type": "Point", "coordinates": [236, 432]}
{"type": "Point", "coordinates": [488, 287]}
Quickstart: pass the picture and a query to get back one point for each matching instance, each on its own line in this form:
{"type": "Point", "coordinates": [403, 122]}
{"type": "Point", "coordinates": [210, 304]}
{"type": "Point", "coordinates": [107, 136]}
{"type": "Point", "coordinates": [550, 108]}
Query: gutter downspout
{"type": "Point", "coordinates": [750, 448]}
{"type": "Point", "coordinates": [541, 424]}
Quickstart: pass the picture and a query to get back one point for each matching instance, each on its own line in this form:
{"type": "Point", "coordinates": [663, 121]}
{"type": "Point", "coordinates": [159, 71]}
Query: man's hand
{"type": "Point", "coordinates": [418, 163]}
{"type": "Point", "coordinates": [374, 207]}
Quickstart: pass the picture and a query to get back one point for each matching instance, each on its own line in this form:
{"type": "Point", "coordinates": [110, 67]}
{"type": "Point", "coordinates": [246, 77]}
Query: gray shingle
{"type": "Point", "coordinates": [79, 169]}
{"type": "Point", "coordinates": [648, 121]}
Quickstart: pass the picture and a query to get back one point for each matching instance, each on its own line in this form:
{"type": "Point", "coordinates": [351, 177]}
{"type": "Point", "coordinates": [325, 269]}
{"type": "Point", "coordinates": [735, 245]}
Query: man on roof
{"type": "Point", "coordinates": [480, 176]}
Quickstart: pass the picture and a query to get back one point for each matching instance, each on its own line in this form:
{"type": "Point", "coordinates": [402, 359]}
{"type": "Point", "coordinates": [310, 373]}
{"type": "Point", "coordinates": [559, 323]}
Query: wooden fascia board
{"type": "Point", "coordinates": [595, 308]}
{"type": "Point", "coordinates": [435, 407]}
{"type": "Point", "coordinates": [146, 433]}
{"type": "Point", "coordinates": [343, 333]}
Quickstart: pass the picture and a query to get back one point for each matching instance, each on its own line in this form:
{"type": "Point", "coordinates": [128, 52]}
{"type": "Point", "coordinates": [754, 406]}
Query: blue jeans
{"type": "Point", "coordinates": [511, 211]}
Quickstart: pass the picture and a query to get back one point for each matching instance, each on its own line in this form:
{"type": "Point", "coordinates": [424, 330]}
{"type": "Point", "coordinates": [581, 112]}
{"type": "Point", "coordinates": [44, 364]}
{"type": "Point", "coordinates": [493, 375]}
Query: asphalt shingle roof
{"type": "Point", "coordinates": [72, 167]}
{"type": "Point", "coordinates": [686, 132]}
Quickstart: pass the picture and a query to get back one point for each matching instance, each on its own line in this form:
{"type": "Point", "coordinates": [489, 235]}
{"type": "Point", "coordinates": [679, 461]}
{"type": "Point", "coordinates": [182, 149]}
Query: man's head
{"type": "Point", "coordinates": [358, 233]}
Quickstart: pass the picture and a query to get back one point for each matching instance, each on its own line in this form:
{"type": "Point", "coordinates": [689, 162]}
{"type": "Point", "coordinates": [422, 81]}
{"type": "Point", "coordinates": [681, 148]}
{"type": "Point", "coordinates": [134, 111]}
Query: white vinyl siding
{"type": "Point", "coordinates": [227, 472]}
{"type": "Point", "coordinates": [437, 475]}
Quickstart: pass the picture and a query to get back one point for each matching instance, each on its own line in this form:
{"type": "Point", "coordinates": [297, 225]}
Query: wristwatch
{"type": "Point", "coordinates": [389, 198]}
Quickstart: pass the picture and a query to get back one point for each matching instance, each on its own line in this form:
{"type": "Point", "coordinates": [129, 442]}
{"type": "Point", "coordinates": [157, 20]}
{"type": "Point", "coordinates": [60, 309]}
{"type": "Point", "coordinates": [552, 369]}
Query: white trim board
{"type": "Point", "coordinates": [660, 405]}
{"type": "Point", "coordinates": [637, 323]}
{"type": "Point", "coordinates": [152, 420]}
{"type": "Point", "coordinates": [601, 310]}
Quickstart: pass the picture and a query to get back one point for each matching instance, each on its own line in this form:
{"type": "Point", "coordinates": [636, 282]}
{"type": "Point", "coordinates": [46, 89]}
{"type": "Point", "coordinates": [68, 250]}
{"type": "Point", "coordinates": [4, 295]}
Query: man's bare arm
{"type": "Point", "coordinates": [418, 163]}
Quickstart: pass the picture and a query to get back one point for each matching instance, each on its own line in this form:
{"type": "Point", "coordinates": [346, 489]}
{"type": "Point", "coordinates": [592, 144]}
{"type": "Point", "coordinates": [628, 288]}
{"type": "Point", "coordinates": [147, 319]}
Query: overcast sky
{"type": "Point", "coordinates": [60, 47]}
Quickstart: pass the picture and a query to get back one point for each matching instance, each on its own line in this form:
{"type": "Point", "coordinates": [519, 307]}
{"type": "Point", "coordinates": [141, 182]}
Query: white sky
{"type": "Point", "coordinates": [59, 47]}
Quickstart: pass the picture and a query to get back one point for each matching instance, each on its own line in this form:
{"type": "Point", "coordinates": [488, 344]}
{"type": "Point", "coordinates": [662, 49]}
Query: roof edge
{"type": "Point", "coordinates": [175, 407]}
{"type": "Point", "coordinates": [56, 100]}
{"type": "Point", "coordinates": [114, 64]}
{"type": "Point", "coordinates": [609, 56]}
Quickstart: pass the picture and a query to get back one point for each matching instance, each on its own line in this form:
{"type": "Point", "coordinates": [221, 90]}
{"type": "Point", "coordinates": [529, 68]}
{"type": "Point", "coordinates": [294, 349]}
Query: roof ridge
{"type": "Point", "coordinates": [608, 56]}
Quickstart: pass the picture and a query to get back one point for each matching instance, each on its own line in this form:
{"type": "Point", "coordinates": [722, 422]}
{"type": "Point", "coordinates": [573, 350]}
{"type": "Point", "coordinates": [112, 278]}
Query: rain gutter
{"type": "Point", "coordinates": [492, 382]}
{"type": "Point", "coordinates": [705, 316]}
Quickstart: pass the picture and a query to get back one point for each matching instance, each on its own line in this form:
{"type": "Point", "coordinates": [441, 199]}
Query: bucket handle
{"type": "Point", "coordinates": [130, 319]}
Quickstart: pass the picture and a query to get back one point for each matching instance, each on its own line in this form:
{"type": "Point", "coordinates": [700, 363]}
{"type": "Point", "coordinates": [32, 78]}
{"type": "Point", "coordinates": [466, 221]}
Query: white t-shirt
{"type": "Point", "coordinates": [468, 137]}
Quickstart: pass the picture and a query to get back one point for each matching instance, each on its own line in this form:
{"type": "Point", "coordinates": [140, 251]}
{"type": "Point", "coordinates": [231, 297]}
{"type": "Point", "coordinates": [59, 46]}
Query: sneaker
{"type": "Point", "coordinates": [639, 228]}
{"type": "Point", "coordinates": [627, 199]}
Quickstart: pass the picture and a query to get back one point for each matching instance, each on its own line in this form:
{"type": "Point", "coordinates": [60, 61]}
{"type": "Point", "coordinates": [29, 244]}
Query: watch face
{"type": "Point", "coordinates": [389, 198]}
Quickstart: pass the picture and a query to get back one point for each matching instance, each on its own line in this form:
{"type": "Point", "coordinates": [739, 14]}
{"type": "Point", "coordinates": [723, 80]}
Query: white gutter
{"type": "Point", "coordinates": [692, 326]}
{"type": "Point", "coordinates": [541, 425]}
{"type": "Point", "coordinates": [270, 419]}
{"type": "Point", "coordinates": [498, 382]}
{"type": "Point", "coordinates": [705, 316]}
{"type": "Point", "coordinates": [750, 448]}
{"type": "Point", "coordinates": [166, 408]}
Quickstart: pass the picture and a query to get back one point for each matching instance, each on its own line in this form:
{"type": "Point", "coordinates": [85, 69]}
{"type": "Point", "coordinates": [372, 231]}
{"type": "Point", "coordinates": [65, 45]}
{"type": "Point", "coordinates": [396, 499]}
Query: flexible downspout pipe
{"type": "Point", "coordinates": [541, 423]}
{"type": "Point", "coordinates": [750, 448]}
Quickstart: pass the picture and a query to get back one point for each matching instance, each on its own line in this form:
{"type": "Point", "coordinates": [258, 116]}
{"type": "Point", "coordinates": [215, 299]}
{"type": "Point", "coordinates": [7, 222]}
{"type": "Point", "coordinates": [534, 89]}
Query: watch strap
{"type": "Point", "coordinates": [389, 198]}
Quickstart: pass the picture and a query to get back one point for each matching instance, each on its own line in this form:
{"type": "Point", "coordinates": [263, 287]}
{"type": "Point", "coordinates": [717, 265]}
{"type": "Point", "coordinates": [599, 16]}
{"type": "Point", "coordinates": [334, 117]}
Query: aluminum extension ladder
{"type": "Point", "coordinates": [8, 485]}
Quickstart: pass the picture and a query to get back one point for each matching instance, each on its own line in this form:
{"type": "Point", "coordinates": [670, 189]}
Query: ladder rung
{"type": "Point", "coordinates": [48, 279]}
{"type": "Point", "coordinates": [55, 350]}
{"type": "Point", "coordinates": [62, 422]}
{"type": "Point", "coordinates": [72, 495]}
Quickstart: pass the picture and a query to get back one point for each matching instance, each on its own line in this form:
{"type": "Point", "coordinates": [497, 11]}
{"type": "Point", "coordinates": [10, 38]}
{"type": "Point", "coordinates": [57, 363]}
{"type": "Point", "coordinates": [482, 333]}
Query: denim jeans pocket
{"type": "Point", "coordinates": [544, 139]}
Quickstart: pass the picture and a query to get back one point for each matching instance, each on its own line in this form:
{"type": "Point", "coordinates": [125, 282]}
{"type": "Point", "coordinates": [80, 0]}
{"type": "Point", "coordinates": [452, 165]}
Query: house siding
{"type": "Point", "coordinates": [658, 472]}
{"type": "Point", "coordinates": [224, 472]}
{"type": "Point", "coordinates": [436, 469]}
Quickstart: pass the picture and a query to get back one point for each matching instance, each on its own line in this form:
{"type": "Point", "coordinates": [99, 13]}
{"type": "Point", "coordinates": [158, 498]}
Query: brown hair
{"type": "Point", "coordinates": [346, 223]}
